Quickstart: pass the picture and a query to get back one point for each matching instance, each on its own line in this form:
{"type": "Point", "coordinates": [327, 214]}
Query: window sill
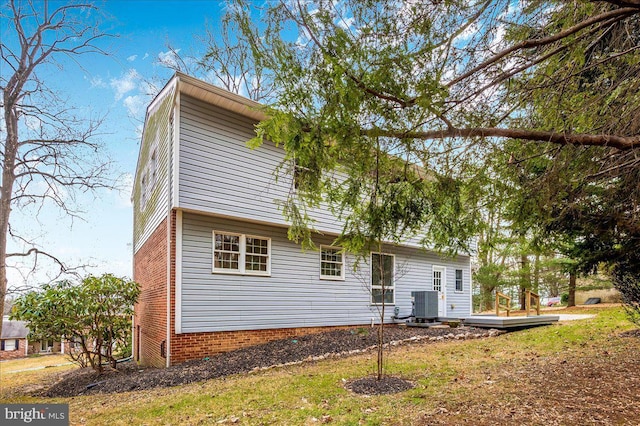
{"type": "Point", "coordinates": [243, 274]}
{"type": "Point", "coordinates": [329, 278]}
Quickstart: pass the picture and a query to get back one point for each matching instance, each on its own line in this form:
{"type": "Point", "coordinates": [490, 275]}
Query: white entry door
{"type": "Point", "coordinates": [439, 285]}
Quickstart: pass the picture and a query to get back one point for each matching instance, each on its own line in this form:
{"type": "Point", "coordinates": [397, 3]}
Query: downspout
{"type": "Point", "coordinates": [168, 338]}
{"type": "Point", "coordinates": [172, 158]}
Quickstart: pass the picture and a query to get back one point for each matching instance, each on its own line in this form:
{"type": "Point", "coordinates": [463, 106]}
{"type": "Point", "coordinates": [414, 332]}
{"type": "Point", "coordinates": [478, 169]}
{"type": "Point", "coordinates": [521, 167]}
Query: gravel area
{"type": "Point", "coordinates": [131, 377]}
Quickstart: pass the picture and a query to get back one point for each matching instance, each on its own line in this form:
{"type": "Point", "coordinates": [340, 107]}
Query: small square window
{"type": "Point", "coordinates": [331, 263]}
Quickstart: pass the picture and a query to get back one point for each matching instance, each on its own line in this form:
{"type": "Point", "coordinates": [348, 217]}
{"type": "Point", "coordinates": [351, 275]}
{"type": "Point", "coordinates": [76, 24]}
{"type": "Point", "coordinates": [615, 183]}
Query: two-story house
{"type": "Point", "coordinates": [211, 253]}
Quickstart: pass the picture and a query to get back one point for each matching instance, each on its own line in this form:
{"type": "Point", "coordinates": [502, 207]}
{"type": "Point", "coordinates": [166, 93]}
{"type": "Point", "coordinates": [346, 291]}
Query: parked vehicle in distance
{"type": "Point", "coordinates": [553, 301]}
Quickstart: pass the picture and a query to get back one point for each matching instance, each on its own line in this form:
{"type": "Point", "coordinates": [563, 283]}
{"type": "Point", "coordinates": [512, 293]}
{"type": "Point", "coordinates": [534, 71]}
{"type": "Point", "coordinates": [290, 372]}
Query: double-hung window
{"type": "Point", "coordinates": [331, 263]}
{"type": "Point", "coordinates": [458, 279]}
{"type": "Point", "coordinates": [382, 278]}
{"type": "Point", "coordinates": [241, 254]}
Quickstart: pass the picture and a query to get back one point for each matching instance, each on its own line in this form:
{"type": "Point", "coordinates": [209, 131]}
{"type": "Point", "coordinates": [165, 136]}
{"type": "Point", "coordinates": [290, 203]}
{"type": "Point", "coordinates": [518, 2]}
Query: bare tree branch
{"type": "Point", "coordinates": [528, 44]}
{"type": "Point", "coordinates": [61, 153]}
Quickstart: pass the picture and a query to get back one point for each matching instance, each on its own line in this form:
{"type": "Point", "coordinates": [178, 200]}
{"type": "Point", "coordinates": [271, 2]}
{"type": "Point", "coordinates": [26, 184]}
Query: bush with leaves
{"type": "Point", "coordinates": [94, 314]}
{"type": "Point", "coordinates": [629, 286]}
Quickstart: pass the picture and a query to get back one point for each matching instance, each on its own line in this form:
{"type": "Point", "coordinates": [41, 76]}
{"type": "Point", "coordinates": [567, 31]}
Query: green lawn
{"type": "Point", "coordinates": [30, 373]}
{"type": "Point", "coordinates": [482, 381]}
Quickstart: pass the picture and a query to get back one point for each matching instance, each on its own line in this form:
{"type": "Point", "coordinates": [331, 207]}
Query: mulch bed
{"type": "Point", "coordinates": [386, 385]}
{"type": "Point", "coordinates": [131, 377]}
{"type": "Point", "coordinates": [632, 333]}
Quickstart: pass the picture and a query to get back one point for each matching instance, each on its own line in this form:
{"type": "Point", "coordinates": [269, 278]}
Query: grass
{"type": "Point", "coordinates": [447, 375]}
{"type": "Point", "coordinates": [30, 373]}
{"type": "Point", "coordinates": [33, 361]}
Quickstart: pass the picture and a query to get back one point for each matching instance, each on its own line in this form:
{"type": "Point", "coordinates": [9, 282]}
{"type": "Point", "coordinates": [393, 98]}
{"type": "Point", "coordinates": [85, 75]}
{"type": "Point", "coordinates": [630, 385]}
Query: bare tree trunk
{"type": "Point", "coordinates": [525, 279]}
{"type": "Point", "coordinates": [381, 326]}
{"type": "Point", "coordinates": [572, 289]}
{"type": "Point", "coordinates": [6, 187]}
{"type": "Point", "coordinates": [487, 297]}
{"type": "Point", "coordinates": [536, 274]}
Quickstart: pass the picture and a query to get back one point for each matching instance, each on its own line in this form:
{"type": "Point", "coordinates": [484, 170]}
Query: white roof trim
{"type": "Point", "coordinates": [207, 92]}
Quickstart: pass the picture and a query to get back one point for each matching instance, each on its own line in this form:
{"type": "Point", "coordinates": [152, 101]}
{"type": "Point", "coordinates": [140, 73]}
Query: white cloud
{"type": "Point", "coordinates": [33, 122]}
{"type": "Point", "coordinates": [96, 81]}
{"type": "Point", "coordinates": [132, 58]}
{"type": "Point", "coordinates": [467, 34]}
{"type": "Point", "coordinates": [498, 37]}
{"type": "Point", "coordinates": [149, 88]}
{"type": "Point", "coordinates": [138, 131]}
{"type": "Point", "coordinates": [169, 58]}
{"type": "Point", "coordinates": [126, 83]}
{"type": "Point", "coordinates": [134, 104]}
{"type": "Point", "coordinates": [233, 83]}
{"type": "Point", "coordinates": [123, 195]}
{"type": "Point", "coordinates": [346, 23]}
{"type": "Point", "coordinates": [146, 55]}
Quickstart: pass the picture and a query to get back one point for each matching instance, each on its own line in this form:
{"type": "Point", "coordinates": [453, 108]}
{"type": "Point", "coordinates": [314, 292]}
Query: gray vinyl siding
{"type": "Point", "coordinates": [294, 295]}
{"type": "Point", "coordinates": [156, 135]}
{"type": "Point", "coordinates": [218, 174]}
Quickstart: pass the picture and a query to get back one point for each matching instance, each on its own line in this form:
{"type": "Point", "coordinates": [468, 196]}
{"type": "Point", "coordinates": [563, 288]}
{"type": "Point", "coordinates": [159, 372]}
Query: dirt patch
{"type": "Point", "coordinates": [373, 386]}
{"type": "Point", "coordinates": [130, 377]}
{"type": "Point", "coordinates": [631, 333]}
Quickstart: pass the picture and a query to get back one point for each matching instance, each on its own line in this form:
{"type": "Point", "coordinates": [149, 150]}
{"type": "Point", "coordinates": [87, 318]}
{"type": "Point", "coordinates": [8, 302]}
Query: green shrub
{"type": "Point", "coordinates": [95, 314]}
{"type": "Point", "coordinates": [629, 286]}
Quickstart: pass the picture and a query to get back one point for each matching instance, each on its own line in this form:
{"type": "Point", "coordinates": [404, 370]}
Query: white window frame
{"type": "Point", "coordinates": [242, 256]}
{"type": "Point", "coordinates": [6, 345]}
{"type": "Point", "coordinates": [379, 287]}
{"type": "Point", "coordinates": [461, 290]}
{"type": "Point", "coordinates": [332, 277]}
{"type": "Point", "coordinates": [143, 189]}
{"type": "Point", "coordinates": [153, 166]}
{"type": "Point", "coordinates": [443, 279]}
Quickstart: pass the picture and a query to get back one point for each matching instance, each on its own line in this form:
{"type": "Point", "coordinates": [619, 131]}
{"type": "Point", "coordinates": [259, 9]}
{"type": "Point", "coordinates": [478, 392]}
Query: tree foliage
{"type": "Point", "coordinates": [545, 91]}
{"type": "Point", "coordinates": [585, 197]}
{"type": "Point", "coordinates": [629, 286]}
{"type": "Point", "coordinates": [95, 315]}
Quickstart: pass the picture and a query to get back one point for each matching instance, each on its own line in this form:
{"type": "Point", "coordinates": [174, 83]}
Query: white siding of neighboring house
{"type": "Point", "coordinates": [294, 295]}
{"type": "Point", "coordinates": [156, 136]}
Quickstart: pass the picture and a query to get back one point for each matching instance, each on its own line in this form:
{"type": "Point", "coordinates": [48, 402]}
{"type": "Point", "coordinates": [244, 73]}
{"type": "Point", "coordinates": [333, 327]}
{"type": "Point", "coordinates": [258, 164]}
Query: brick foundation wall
{"type": "Point", "coordinates": [19, 353]}
{"type": "Point", "coordinates": [150, 316]}
{"type": "Point", "coordinates": [199, 345]}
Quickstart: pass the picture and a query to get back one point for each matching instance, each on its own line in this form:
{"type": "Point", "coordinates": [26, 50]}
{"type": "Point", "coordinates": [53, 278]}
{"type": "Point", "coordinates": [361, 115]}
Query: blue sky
{"type": "Point", "coordinates": [118, 87]}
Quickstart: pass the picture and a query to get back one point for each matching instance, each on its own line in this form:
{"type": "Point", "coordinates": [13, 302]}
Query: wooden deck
{"type": "Point", "coordinates": [507, 323]}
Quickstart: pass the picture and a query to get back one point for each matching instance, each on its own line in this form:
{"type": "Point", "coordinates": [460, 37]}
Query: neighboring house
{"type": "Point", "coordinates": [14, 341]}
{"type": "Point", "coordinates": [211, 253]}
